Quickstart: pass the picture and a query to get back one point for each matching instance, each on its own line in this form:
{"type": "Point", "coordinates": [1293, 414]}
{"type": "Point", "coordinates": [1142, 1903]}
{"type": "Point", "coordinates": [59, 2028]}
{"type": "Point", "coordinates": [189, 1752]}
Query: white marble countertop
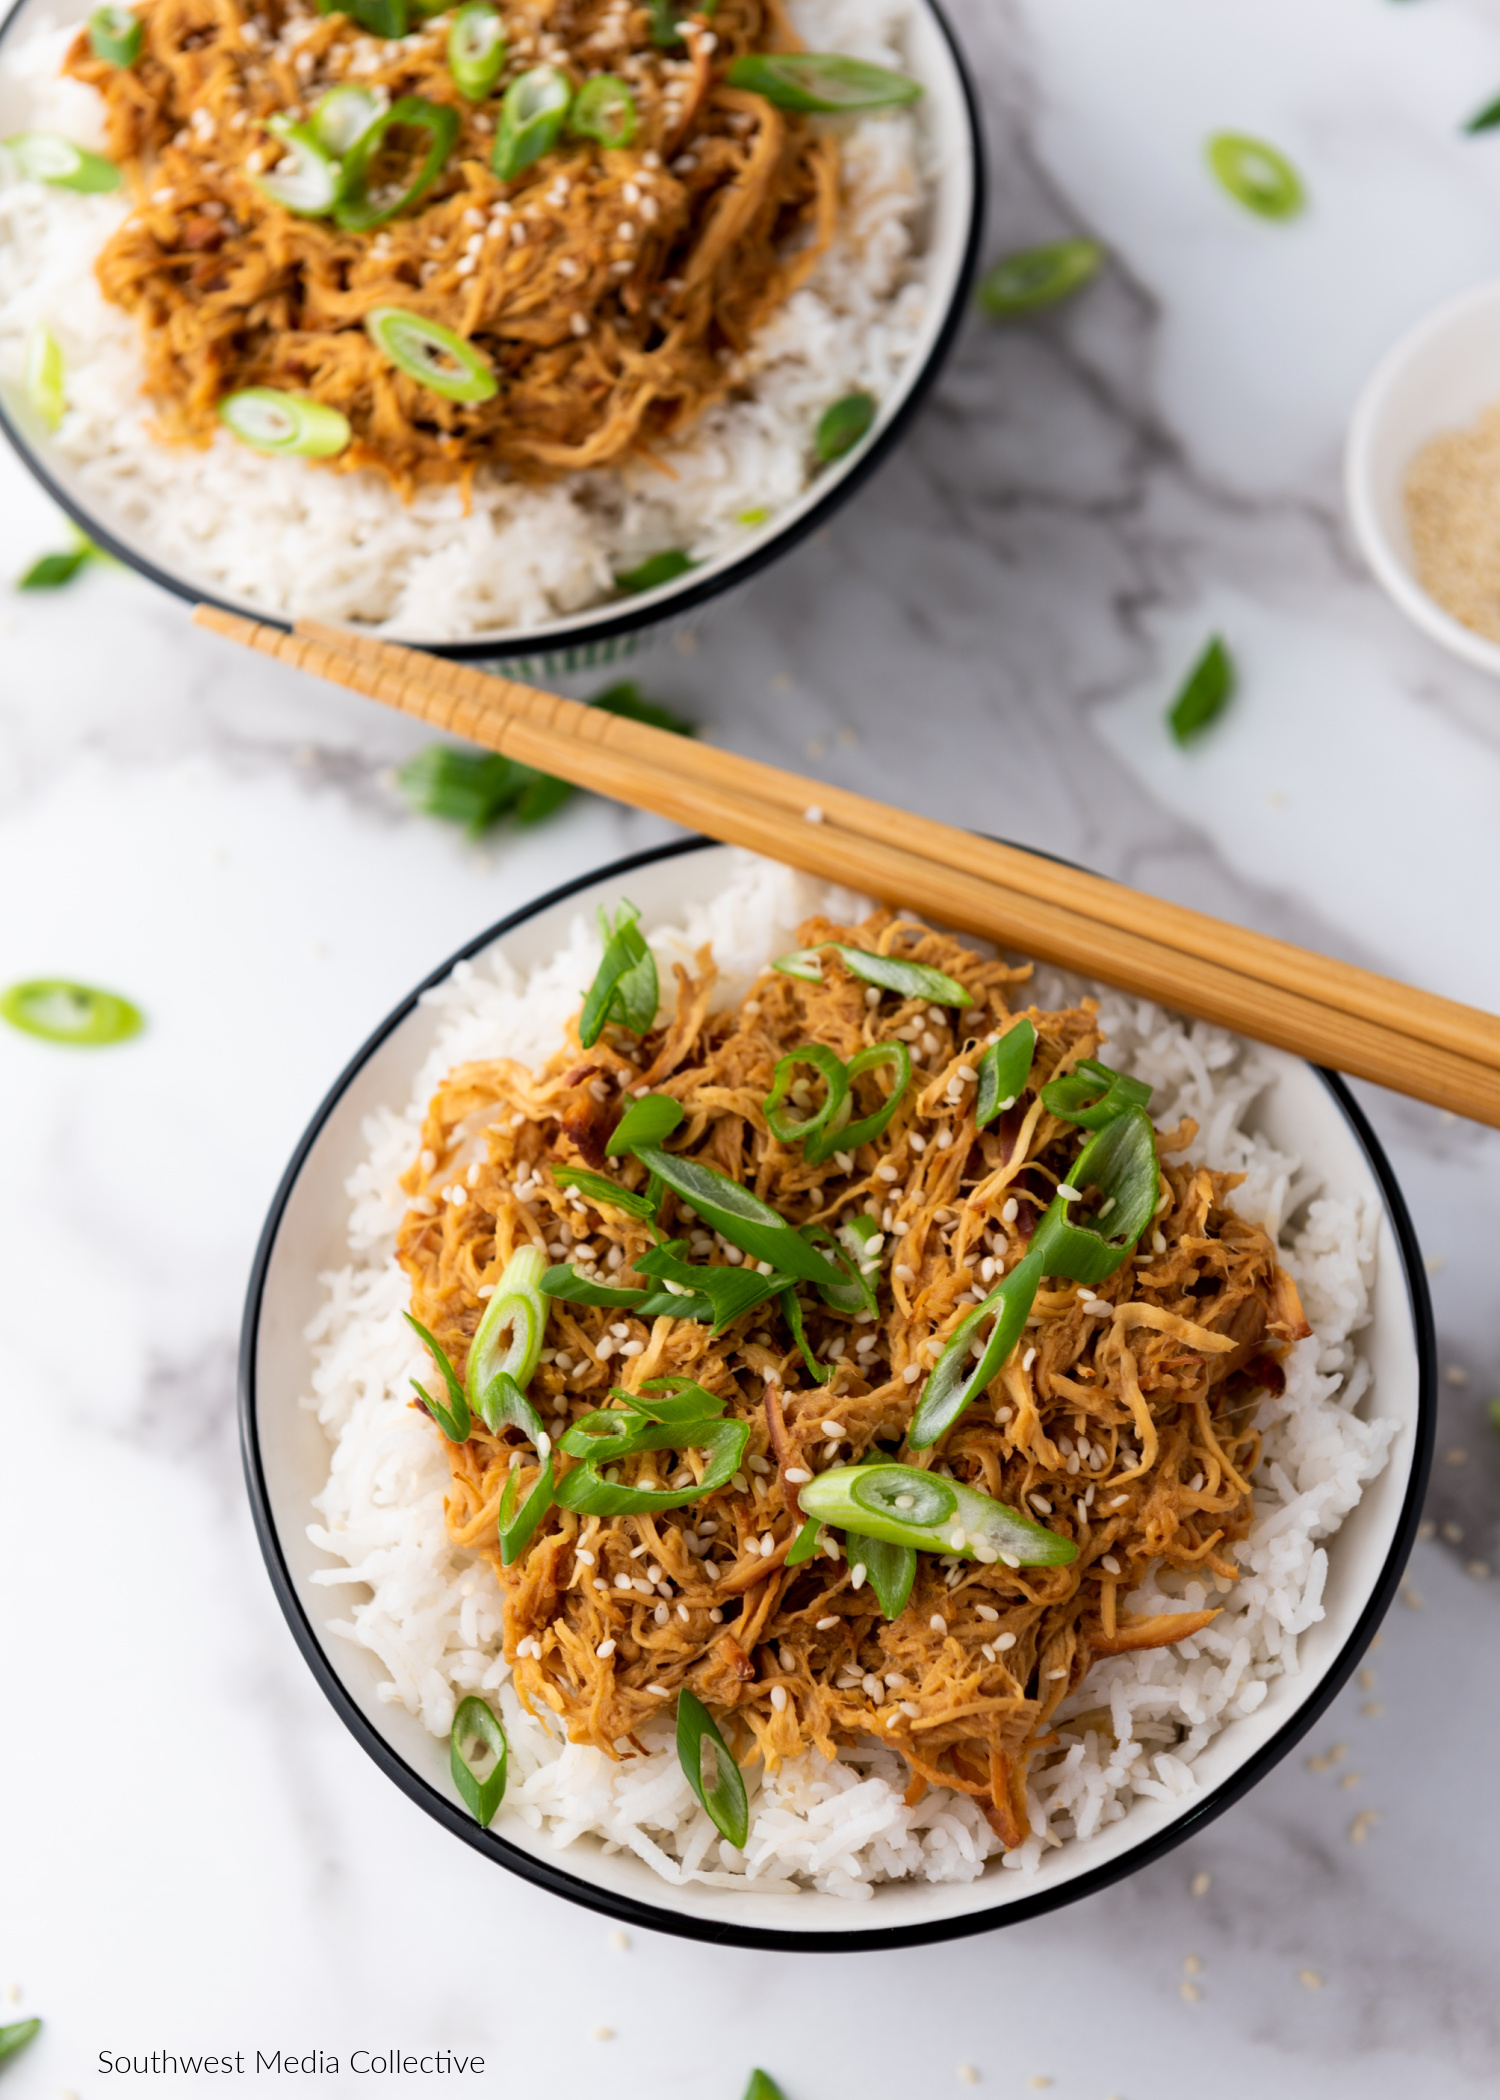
{"type": "Point", "coordinates": [195, 1853]}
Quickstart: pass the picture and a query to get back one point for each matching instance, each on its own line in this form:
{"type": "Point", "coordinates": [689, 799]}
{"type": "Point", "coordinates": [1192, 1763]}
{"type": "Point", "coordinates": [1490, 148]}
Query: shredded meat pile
{"type": "Point", "coordinates": [1131, 1434]}
{"type": "Point", "coordinates": [612, 291]}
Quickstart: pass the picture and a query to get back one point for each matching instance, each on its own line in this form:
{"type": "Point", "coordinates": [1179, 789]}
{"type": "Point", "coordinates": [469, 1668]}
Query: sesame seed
{"type": "Point", "coordinates": [812, 814]}
{"type": "Point", "coordinates": [1010, 1212]}
{"type": "Point", "coordinates": [1054, 1674]}
{"type": "Point", "coordinates": [938, 1623]}
{"type": "Point", "coordinates": [1010, 1560]}
{"type": "Point", "coordinates": [778, 1697]}
{"type": "Point", "coordinates": [767, 1544]}
{"type": "Point", "coordinates": [605, 1650]}
{"type": "Point", "coordinates": [835, 1429]}
{"type": "Point", "coordinates": [967, 2075]}
{"type": "Point", "coordinates": [1110, 1564]}
{"type": "Point", "coordinates": [1311, 1978]}
{"type": "Point", "coordinates": [602, 2034]}
{"type": "Point", "coordinates": [798, 1475]}
{"type": "Point", "coordinates": [1362, 1825]}
{"type": "Point", "coordinates": [1201, 1884]}
{"type": "Point", "coordinates": [658, 1691]}
{"type": "Point", "coordinates": [1028, 1360]}
{"type": "Point", "coordinates": [1006, 1640]}
{"type": "Point", "coordinates": [825, 1625]}
{"type": "Point", "coordinates": [622, 1582]}
{"type": "Point", "coordinates": [1190, 1993]}
{"type": "Point", "coordinates": [716, 1616]}
{"type": "Point", "coordinates": [1191, 1965]}
{"type": "Point", "coordinates": [1067, 1190]}
{"type": "Point", "coordinates": [986, 1612]}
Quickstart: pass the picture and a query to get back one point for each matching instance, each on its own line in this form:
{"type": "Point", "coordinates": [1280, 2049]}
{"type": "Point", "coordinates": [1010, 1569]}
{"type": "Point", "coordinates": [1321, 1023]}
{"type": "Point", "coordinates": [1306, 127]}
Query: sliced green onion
{"type": "Point", "coordinates": [791, 1306]}
{"type": "Point", "coordinates": [805, 964]}
{"type": "Point", "coordinates": [471, 788]}
{"type": "Point", "coordinates": [1256, 175]}
{"type": "Point", "coordinates": [115, 35]}
{"type": "Point", "coordinates": [812, 81]}
{"type": "Point", "coordinates": [804, 1545]}
{"type": "Point", "coordinates": [428, 351]}
{"type": "Point", "coordinates": [454, 1419]}
{"type": "Point", "coordinates": [604, 111]}
{"type": "Point", "coordinates": [17, 2035]}
{"type": "Point", "coordinates": [649, 1119]}
{"type": "Point", "coordinates": [849, 1136]}
{"type": "Point", "coordinates": [360, 207]}
{"type": "Point", "coordinates": [478, 1737]}
{"type": "Point", "coordinates": [61, 1012]}
{"type": "Point", "coordinates": [343, 116]}
{"type": "Point", "coordinates": [1092, 1094]}
{"type": "Point", "coordinates": [306, 179]}
{"type": "Point", "coordinates": [49, 572]}
{"type": "Point", "coordinates": [586, 1493]}
{"type": "Point", "coordinates": [817, 1057]}
{"type": "Point", "coordinates": [46, 156]}
{"type": "Point", "coordinates": [1205, 693]}
{"type": "Point", "coordinates": [674, 1399]}
{"type": "Point", "coordinates": [891, 1569]}
{"type": "Point", "coordinates": [531, 119]}
{"type": "Point", "coordinates": [598, 1189]}
{"type": "Point", "coordinates": [1484, 119]}
{"type": "Point", "coordinates": [625, 988]}
{"type": "Point", "coordinates": [476, 49]}
{"type": "Point", "coordinates": [722, 1795]}
{"type": "Point", "coordinates": [762, 2085]}
{"type": "Point", "coordinates": [912, 980]}
{"type": "Point", "coordinates": [1036, 277]}
{"type": "Point", "coordinates": [1003, 1072]}
{"type": "Point", "coordinates": [755, 516]}
{"type": "Point", "coordinates": [665, 17]}
{"type": "Point", "coordinates": [904, 1506]}
{"type": "Point", "coordinates": [502, 1405]}
{"type": "Point", "coordinates": [728, 1291]}
{"type": "Point", "coordinates": [387, 18]}
{"type": "Point", "coordinates": [46, 375]}
{"type": "Point", "coordinates": [564, 1282]}
{"type": "Point", "coordinates": [516, 1526]}
{"type": "Point", "coordinates": [273, 422]}
{"type": "Point", "coordinates": [628, 700]}
{"type": "Point", "coordinates": [852, 1293]}
{"type": "Point", "coordinates": [519, 1307]}
{"type": "Point", "coordinates": [841, 427]}
{"type": "Point", "coordinates": [739, 1215]}
{"type": "Point", "coordinates": [659, 569]}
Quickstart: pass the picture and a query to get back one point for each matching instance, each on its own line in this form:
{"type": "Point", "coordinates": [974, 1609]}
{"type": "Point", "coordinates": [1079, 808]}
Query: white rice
{"type": "Point", "coordinates": [431, 1611]}
{"type": "Point", "coordinates": [300, 541]}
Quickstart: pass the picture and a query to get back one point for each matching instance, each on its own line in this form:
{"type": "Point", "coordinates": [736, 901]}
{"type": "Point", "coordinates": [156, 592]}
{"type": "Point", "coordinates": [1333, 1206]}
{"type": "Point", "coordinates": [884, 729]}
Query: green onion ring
{"type": "Point", "coordinates": [649, 1119]}
{"type": "Point", "coordinates": [273, 422]}
{"type": "Point", "coordinates": [1093, 1094]}
{"type": "Point", "coordinates": [59, 1011]}
{"type": "Point", "coordinates": [849, 1136]}
{"type": "Point", "coordinates": [517, 1526]}
{"type": "Point", "coordinates": [658, 569]}
{"type": "Point", "coordinates": [306, 180]}
{"type": "Point", "coordinates": [532, 113]}
{"type": "Point", "coordinates": [791, 1130]}
{"type": "Point", "coordinates": [1033, 278]}
{"type": "Point", "coordinates": [115, 35]}
{"type": "Point", "coordinates": [841, 427]}
{"type": "Point", "coordinates": [476, 1725]}
{"type": "Point", "coordinates": [427, 351]}
{"type": "Point", "coordinates": [826, 81]}
{"type": "Point", "coordinates": [586, 1493]}
{"type": "Point", "coordinates": [358, 208]}
{"type": "Point", "coordinates": [867, 1500]}
{"type": "Point", "coordinates": [1256, 175]}
{"type": "Point", "coordinates": [46, 156]}
{"type": "Point", "coordinates": [604, 111]}
{"type": "Point", "coordinates": [343, 116]}
{"type": "Point", "coordinates": [1004, 1070]}
{"type": "Point", "coordinates": [725, 1801]}
{"type": "Point", "coordinates": [46, 376]}
{"type": "Point", "coordinates": [476, 49]}
{"type": "Point", "coordinates": [518, 1304]}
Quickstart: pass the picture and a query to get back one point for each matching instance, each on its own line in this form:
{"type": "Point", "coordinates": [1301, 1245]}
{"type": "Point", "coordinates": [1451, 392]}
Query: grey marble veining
{"type": "Point", "coordinates": [195, 1850]}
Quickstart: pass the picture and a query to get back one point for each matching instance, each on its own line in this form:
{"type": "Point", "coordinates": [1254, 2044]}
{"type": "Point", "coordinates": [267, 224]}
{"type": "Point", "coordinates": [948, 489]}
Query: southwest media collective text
{"type": "Point", "coordinates": [286, 2063]}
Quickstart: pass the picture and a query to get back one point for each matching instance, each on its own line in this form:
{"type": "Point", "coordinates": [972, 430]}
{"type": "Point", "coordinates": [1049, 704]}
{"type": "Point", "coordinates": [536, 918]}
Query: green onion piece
{"type": "Point", "coordinates": [17, 2035]}
{"type": "Point", "coordinates": [604, 111]}
{"type": "Point", "coordinates": [803, 963]}
{"type": "Point", "coordinates": [598, 1189]}
{"type": "Point", "coordinates": [891, 1569]}
{"type": "Point", "coordinates": [361, 205]}
{"type": "Point", "coordinates": [387, 18]}
{"type": "Point", "coordinates": [1004, 1070]}
{"type": "Point", "coordinates": [46, 156]}
{"type": "Point", "coordinates": [757, 515]}
{"type": "Point", "coordinates": [1036, 277]}
{"type": "Point", "coordinates": [912, 980]}
{"type": "Point", "coordinates": [849, 1136]}
{"type": "Point", "coordinates": [502, 1405]}
{"type": "Point", "coordinates": [726, 1292]}
{"type": "Point", "coordinates": [762, 2085]}
{"type": "Point", "coordinates": [590, 1496]}
{"type": "Point", "coordinates": [1093, 1094]}
{"type": "Point", "coordinates": [804, 1545]}
{"type": "Point", "coordinates": [45, 376]}
{"type": "Point", "coordinates": [956, 1377]}
{"type": "Point", "coordinates": [519, 1307]}
{"type": "Point", "coordinates": [454, 1419]}
{"type": "Point", "coordinates": [1494, 1412]}
{"type": "Point", "coordinates": [1484, 119]}
{"type": "Point", "coordinates": [343, 116]}
{"type": "Point", "coordinates": [115, 35]}
{"type": "Point", "coordinates": [674, 1399]}
{"type": "Point", "coordinates": [665, 16]}
{"type": "Point", "coordinates": [564, 1282]}
{"type": "Point", "coordinates": [811, 81]}
{"type": "Point", "coordinates": [467, 787]}
{"type": "Point", "coordinates": [49, 572]}
{"type": "Point", "coordinates": [478, 1737]}
{"type": "Point", "coordinates": [476, 49]}
{"type": "Point", "coordinates": [273, 422]}
{"type": "Point", "coordinates": [716, 1780]}
{"type": "Point", "coordinates": [660, 569]}
{"type": "Point", "coordinates": [531, 119]}
{"type": "Point", "coordinates": [625, 988]}
{"type": "Point", "coordinates": [852, 1293]}
{"type": "Point", "coordinates": [516, 1526]}
{"type": "Point", "coordinates": [739, 1215]}
{"type": "Point", "coordinates": [649, 1119]}
{"type": "Point", "coordinates": [1206, 692]}
{"type": "Point", "coordinates": [1256, 175]}
{"type": "Point", "coordinates": [61, 1012]}
{"type": "Point", "coordinates": [841, 427]}
{"type": "Point", "coordinates": [428, 351]}
{"type": "Point", "coordinates": [904, 1506]}
{"type": "Point", "coordinates": [306, 179]}
{"type": "Point", "coordinates": [791, 1307]}
{"type": "Point", "coordinates": [628, 700]}
{"type": "Point", "coordinates": [817, 1057]}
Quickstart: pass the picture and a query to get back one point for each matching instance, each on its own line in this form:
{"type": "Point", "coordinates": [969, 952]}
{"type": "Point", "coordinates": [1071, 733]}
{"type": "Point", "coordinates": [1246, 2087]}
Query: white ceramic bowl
{"type": "Point", "coordinates": [287, 1456]}
{"type": "Point", "coordinates": [949, 117]}
{"type": "Point", "coordinates": [1440, 376]}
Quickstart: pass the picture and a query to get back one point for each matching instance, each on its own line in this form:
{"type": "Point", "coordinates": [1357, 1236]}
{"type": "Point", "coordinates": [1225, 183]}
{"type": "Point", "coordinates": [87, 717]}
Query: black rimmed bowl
{"type": "Point", "coordinates": [953, 154]}
{"type": "Point", "coordinates": [1304, 1111]}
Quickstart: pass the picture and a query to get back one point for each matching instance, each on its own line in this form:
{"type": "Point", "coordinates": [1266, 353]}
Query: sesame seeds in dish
{"type": "Point", "coordinates": [1173, 1429]}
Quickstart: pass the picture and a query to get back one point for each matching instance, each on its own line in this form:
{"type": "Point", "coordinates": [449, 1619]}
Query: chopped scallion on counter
{"type": "Point", "coordinates": [427, 351]}
{"type": "Point", "coordinates": [478, 1741]}
{"type": "Point", "coordinates": [1205, 693]}
{"type": "Point", "coordinates": [714, 1777]}
{"type": "Point", "coordinates": [1034, 278]}
{"type": "Point", "coordinates": [1484, 119]}
{"type": "Point", "coordinates": [271, 421]}
{"type": "Point", "coordinates": [825, 82]}
{"type": "Point", "coordinates": [17, 2035]}
{"type": "Point", "coordinates": [841, 427]}
{"type": "Point", "coordinates": [115, 35]}
{"type": "Point", "coordinates": [49, 572]}
{"type": "Point", "coordinates": [59, 1011]}
{"type": "Point", "coordinates": [1256, 175]}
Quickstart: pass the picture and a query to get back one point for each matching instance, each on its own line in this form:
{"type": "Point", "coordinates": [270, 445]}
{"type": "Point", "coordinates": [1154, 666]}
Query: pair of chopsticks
{"type": "Point", "coordinates": [1328, 1011]}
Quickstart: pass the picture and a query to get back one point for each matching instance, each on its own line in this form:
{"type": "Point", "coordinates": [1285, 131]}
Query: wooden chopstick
{"type": "Point", "coordinates": [663, 773]}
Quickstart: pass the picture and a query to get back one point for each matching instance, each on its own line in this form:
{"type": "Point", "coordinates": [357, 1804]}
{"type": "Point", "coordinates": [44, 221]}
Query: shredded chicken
{"type": "Point", "coordinates": [1127, 1427]}
{"type": "Point", "coordinates": [613, 292]}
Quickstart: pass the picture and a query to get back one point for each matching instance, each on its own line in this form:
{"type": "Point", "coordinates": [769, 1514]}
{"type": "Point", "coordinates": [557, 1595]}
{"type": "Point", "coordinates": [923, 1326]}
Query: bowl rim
{"type": "Point", "coordinates": [629, 1910]}
{"type": "Point", "coordinates": [670, 602]}
{"type": "Point", "coordinates": [1394, 574]}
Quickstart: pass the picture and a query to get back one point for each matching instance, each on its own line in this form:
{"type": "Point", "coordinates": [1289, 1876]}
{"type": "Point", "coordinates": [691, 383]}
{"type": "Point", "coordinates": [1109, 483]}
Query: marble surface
{"type": "Point", "coordinates": [196, 1854]}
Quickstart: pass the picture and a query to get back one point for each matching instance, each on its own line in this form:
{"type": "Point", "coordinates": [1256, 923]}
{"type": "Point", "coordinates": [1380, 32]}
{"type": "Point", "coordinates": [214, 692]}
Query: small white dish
{"type": "Point", "coordinates": [1441, 375]}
